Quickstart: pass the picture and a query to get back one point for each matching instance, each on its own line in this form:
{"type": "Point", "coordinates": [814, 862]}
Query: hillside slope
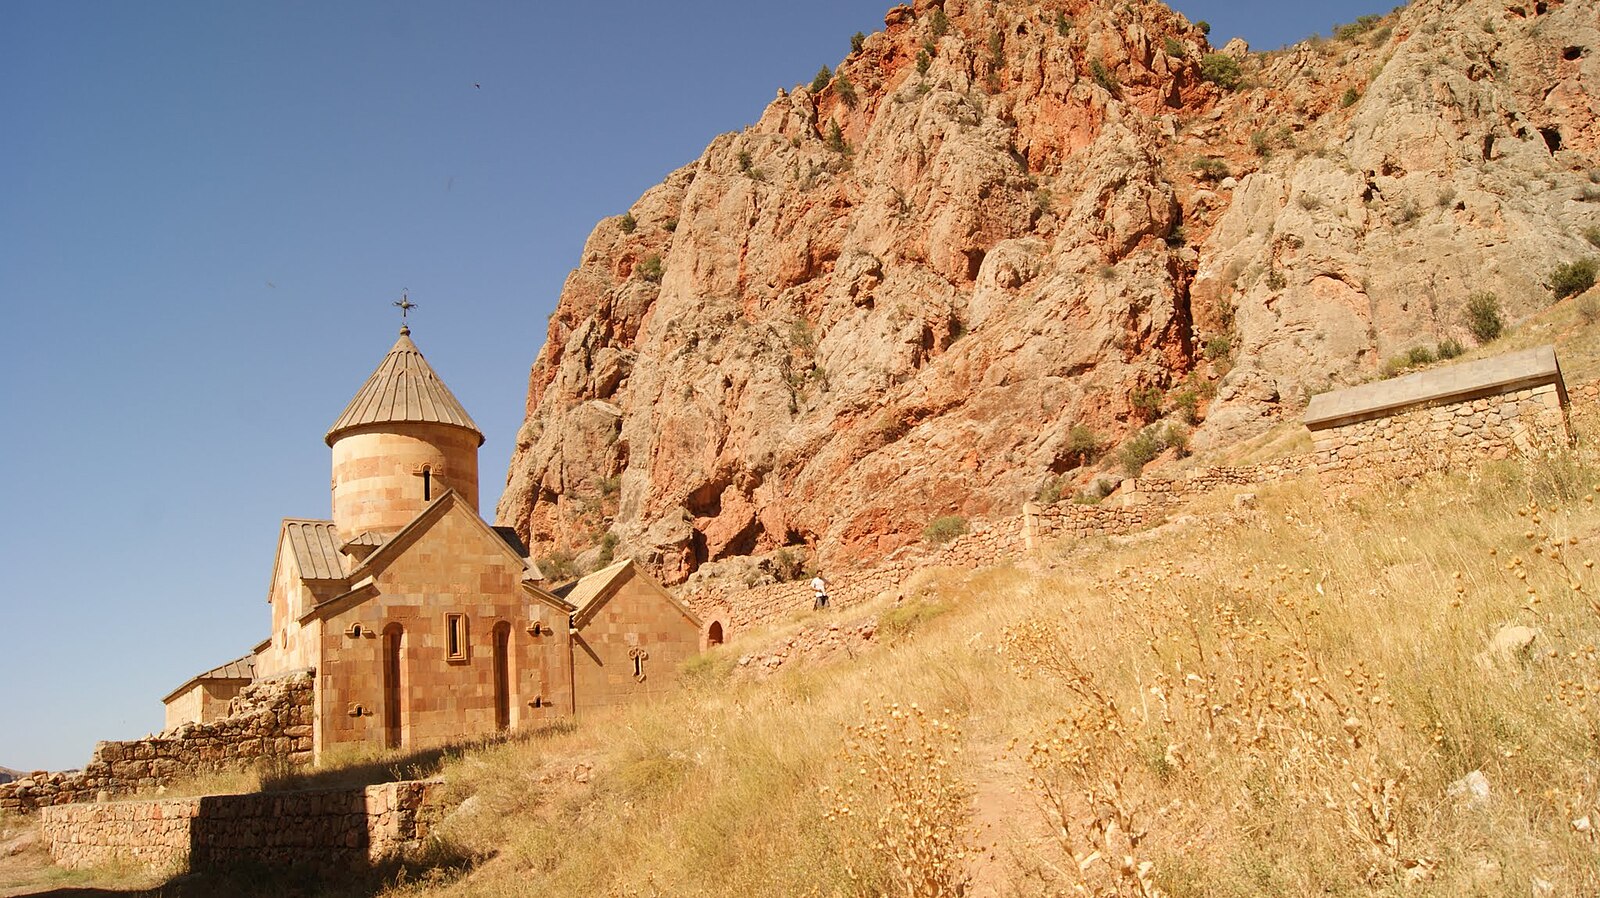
{"type": "Point", "coordinates": [1384, 694]}
{"type": "Point", "coordinates": [895, 296]}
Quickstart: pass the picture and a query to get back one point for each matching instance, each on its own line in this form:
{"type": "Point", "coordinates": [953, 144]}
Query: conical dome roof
{"type": "Point", "coordinates": [404, 389]}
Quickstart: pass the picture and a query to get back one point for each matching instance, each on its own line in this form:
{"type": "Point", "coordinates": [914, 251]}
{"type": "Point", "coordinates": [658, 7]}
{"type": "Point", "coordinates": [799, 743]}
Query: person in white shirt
{"type": "Point", "coordinates": [819, 586]}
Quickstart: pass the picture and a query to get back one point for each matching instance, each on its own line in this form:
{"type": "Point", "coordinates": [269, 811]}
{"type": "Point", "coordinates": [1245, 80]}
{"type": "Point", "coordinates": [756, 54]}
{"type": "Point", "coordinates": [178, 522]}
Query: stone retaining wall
{"type": "Point", "coordinates": [1522, 422]}
{"type": "Point", "coordinates": [325, 830]}
{"type": "Point", "coordinates": [271, 724]}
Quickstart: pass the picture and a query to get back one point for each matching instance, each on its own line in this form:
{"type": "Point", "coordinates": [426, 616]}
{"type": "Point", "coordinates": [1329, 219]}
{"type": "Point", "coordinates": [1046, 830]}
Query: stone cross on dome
{"type": "Point", "coordinates": [404, 304]}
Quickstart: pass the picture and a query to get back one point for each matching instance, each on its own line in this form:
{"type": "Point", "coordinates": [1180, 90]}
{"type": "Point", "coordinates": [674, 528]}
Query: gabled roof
{"type": "Point", "coordinates": [403, 389]}
{"type": "Point", "coordinates": [315, 548]}
{"type": "Point", "coordinates": [361, 575]}
{"type": "Point", "coordinates": [237, 669]}
{"type": "Point", "coordinates": [589, 593]}
{"type": "Point", "coordinates": [579, 593]}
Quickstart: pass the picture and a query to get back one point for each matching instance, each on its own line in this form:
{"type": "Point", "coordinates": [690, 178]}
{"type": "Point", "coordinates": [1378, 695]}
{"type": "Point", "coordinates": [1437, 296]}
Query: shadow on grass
{"type": "Point", "coordinates": [439, 865]}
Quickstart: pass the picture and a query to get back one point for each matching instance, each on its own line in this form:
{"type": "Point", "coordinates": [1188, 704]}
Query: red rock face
{"type": "Point", "coordinates": [892, 299]}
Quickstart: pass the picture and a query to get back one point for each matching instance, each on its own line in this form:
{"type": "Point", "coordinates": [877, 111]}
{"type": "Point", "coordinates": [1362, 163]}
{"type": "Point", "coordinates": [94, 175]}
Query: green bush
{"type": "Point", "coordinates": [1419, 355]}
{"type": "Point", "coordinates": [1063, 24]}
{"type": "Point", "coordinates": [1483, 317]}
{"type": "Point", "coordinates": [1103, 77]}
{"type": "Point", "coordinates": [924, 62]}
{"type": "Point", "coordinates": [1219, 348]}
{"type": "Point", "coordinates": [835, 140]}
{"type": "Point", "coordinates": [824, 75]}
{"type": "Point", "coordinates": [1357, 28]}
{"type": "Point", "coordinates": [1592, 234]}
{"type": "Point", "coordinates": [608, 551]}
{"type": "Point", "coordinates": [1450, 349]}
{"type": "Point", "coordinates": [1211, 168]}
{"type": "Point", "coordinates": [557, 567]}
{"type": "Point", "coordinates": [1187, 405]}
{"type": "Point", "coordinates": [628, 223]}
{"type": "Point", "coordinates": [1351, 95]}
{"type": "Point", "coordinates": [939, 22]}
{"type": "Point", "coordinates": [845, 90]}
{"type": "Point", "coordinates": [997, 50]}
{"type": "Point", "coordinates": [1051, 490]}
{"type": "Point", "coordinates": [1204, 26]}
{"type": "Point", "coordinates": [1572, 278]}
{"type": "Point", "coordinates": [944, 529]}
{"type": "Point", "coordinates": [651, 268]}
{"type": "Point", "coordinates": [1173, 46]}
{"type": "Point", "coordinates": [857, 41]}
{"type": "Point", "coordinates": [1176, 438]}
{"type": "Point", "coordinates": [1146, 402]}
{"type": "Point", "coordinates": [1083, 443]}
{"type": "Point", "coordinates": [788, 564]}
{"type": "Point", "coordinates": [1139, 451]}
{"type": "Point", "coordinates": [1221, 69]}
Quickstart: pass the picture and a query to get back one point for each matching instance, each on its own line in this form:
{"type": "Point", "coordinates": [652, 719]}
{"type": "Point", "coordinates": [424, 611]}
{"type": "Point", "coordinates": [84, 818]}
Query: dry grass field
{"type": "Point", "coordinates": [1303, 697]}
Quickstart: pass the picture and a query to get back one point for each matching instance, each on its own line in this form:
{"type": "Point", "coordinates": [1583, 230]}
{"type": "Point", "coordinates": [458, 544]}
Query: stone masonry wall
{"type": "Point", "coordinates": [1416, 440]}
{"type": "Point", "coordinates": [323, 830]}
{"type": "Point", "coordinates": [271, 723]}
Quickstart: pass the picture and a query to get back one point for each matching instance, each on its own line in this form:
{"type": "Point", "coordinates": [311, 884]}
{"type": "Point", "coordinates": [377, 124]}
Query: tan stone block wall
{"type": "Point", "coordinates": [377, 482]}
{"type": "Point", "coordinates": [454, 567]}
{"type": "Point", "coordinates": [324, 831]}
{"type": "Point", "coordinates": [186, 707]}
{"type": "Point", "coordinates": [272, 724]}
{"type": "Point", "coordinates": [204, 702]}
{"type": "Point", "coordinates": [636, 618]}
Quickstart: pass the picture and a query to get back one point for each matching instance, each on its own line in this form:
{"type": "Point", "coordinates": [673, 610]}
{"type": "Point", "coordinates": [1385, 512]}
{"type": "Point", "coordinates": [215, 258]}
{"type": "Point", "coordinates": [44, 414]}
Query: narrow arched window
{"type": "Point", "coordinates": [427, 484]}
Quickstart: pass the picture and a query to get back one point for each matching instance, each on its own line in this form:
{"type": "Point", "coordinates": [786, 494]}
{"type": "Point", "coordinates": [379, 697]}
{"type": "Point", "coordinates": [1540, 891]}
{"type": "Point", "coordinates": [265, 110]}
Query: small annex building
{"type": "Point", "coordinates": [421, 623]}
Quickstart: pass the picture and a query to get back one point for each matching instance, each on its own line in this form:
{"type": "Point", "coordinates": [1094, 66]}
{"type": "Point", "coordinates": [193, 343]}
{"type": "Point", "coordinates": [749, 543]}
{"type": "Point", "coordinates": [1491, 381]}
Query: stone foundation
{"type": "Point", "coordinates": [348, 829]}
{"type": "Point", "coordinates": [271, 724]}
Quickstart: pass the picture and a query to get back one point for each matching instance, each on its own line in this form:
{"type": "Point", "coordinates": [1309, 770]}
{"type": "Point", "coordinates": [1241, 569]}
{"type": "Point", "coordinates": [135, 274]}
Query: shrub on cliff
{"type": "Point", "coordinates": [1483, 317]}
{"type": "Point", "coordinates": [1221, 69]}
{"type": "Point", "coordinates": [1572, 278]}
{"type": "Point", "coordinates": [1146, 402]}
{"type": "Point", "coordinates": [820, 82]}
{"type": "Point", "coordinates": [1140, 451]}
{"type": "Point", "coordinates": [944, 529]}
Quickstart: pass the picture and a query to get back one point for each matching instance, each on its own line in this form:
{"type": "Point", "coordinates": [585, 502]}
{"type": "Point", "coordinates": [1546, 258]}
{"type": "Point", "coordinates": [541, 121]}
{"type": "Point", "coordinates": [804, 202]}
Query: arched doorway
{"type": "Point", "coordinates": [714, 634]}
{"type": "Point", "coordinates": [502, 675]}
{"type": "Point", "coordinates": [393, 686]}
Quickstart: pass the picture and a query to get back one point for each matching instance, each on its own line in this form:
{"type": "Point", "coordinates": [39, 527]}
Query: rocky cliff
{"type": "Point", "coordinates": [920, 287]}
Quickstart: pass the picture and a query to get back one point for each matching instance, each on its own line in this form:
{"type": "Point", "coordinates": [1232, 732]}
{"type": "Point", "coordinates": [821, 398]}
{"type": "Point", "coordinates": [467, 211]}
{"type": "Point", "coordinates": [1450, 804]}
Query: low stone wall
{"type": "Point", "coordinates": [271, 723]}
{"type": "Point", "coordinates": [324, 830]}
{"type": "Point", "coordinates": [1522, 422]}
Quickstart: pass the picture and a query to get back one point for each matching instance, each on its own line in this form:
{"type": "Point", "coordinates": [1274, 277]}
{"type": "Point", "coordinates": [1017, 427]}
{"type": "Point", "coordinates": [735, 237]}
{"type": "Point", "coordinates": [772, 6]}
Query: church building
{"type": "Point", "coordinates": [421, 623]}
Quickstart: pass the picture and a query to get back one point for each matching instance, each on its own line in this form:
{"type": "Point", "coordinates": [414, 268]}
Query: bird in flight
{"type": "Point", "coordinates": [477, 85]}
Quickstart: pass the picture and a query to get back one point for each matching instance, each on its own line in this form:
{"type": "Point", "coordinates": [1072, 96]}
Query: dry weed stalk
{"type": "Point", "coordinates": [904, 789]}
{"type": "Point", "coordinates": [1233, 694]}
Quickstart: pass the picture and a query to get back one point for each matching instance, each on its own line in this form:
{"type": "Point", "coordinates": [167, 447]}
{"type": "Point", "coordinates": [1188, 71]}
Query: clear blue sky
{"type": "Point", "coordinates": [206, 210]}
